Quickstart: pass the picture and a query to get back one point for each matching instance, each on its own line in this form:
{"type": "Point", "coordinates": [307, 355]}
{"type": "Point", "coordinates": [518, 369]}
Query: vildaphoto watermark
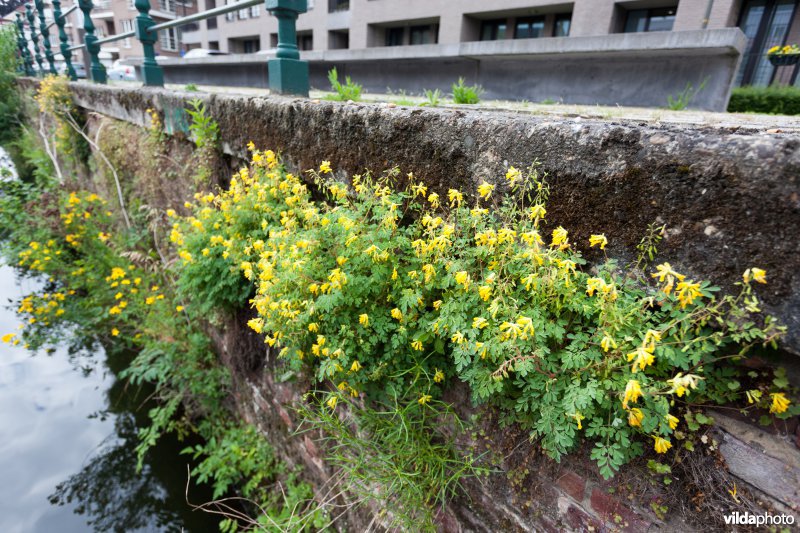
{"type": "Point", "coordinates": [766, 519]}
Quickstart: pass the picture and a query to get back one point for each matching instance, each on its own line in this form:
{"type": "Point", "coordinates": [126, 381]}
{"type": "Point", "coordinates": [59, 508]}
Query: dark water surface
{"type": "Point", "coordinates": [67, 443]}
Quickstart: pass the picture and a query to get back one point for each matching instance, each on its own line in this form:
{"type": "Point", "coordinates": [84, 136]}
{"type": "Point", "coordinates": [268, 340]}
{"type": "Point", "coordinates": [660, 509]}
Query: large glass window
{"type": "Point", "coordinates": [528, 28]}
{"type": "Point", "coordinates": [493, 30]}
{"type": "Point", "coordinates": [427, 34]}
{"type": "Point", "coordinates": [394, 36]}
{"type": "Point", "coordinates": [661, 19]}
{"type": "Point", "coordinates": [766, 24]}
{"type": "Point", "coordinates": [561, 25]}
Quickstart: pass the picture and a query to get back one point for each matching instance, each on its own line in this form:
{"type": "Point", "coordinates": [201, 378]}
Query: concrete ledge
{"type": "Point", "coordinates": [638, 69]}
{"type": "Point", "coordinates": [730, 198]}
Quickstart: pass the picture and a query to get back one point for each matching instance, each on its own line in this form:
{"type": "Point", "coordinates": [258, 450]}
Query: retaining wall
{"type": "Point", "coordinates": [729, 197]}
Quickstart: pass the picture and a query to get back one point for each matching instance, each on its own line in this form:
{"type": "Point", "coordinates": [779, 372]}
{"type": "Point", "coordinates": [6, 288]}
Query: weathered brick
{"type": "Point", "coordinates": [616, 513]}
{"type": "Point", "coordinates": [572, 484]}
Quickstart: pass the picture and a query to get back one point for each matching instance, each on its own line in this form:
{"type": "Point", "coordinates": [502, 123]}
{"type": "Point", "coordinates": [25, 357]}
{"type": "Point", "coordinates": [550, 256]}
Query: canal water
{"type": "Point", "coordinates": [68, 437]}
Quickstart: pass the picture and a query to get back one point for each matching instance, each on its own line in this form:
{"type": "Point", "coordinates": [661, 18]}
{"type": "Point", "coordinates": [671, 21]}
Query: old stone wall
{"type": "Point", "coordinates": [730, 199]}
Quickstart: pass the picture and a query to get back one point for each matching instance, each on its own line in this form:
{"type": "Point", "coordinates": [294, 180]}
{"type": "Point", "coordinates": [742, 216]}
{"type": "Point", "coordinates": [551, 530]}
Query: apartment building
{"type": "Point", "coordinates": [111, 17]}
{"type": "Point", "coordinates": [356, 24]}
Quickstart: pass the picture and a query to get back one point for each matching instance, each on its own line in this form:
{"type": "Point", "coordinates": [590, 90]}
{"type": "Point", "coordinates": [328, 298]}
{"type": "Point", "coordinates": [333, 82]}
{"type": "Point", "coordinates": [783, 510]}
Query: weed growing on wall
{"type": "Point", "coordinates": [381, 293]}
{"type": "Point", "coordinates": [348, 91]}
{"type": "Point", "coordinates": [466, 94]}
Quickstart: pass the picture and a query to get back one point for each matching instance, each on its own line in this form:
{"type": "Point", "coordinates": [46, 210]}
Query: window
{"type": "Point", "coordinates": [127, 25]}
{"type": "Point", "coordinates": [561, 25]}
{"type": "Point", "coordinates": [250, 46]}
{"type": "Point", "coordinates": [168, 39]}
{"type": "Point", "coordinates": [766, 24]}
{"type": "Point", "coordinates": [660, 19]}
{"type": "Point", "coordinates": [529, 28]}
{"type": "Point", "coordinates": [211, 23]}
{"type": "Point", "coordinates": [168, 6]}
{"type": "Point", "coordinates": [230, 17]}
{"type": "Point", "coordinates": [339, 39]}
{"type": "Point", "coordinates": [493, 30]}
{"type": "Point", "coordinates": [338, 5]}
{"type": "Point", "coordinates": [427, 34]}
{"type": "Point", "coordinates": [394, 36]}
{"type": "Point", "coordinates": [305, 41]}
{"type": "Point", "coordinates": [255, 12]}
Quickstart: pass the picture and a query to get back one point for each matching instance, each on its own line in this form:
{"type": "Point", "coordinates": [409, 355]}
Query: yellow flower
{"type": "Point", "coordinates": [417, 345]}
{"type": "Point", "coordinates": [641, 358]}
{"type": "Point", "coordinates": [313, 327]}
{"type": "Point", "coordinates": [114, 332]}
{"type": "Point", "coordinates": [332, 402]}
{"type": "Point", "coordinates": [425, 398]}
{"type": "Point", "coordinates": [363, 319]}
{"type": "Point", "coordinates": [179, 308]}
{"type": "Point", "coordinates": [8, 336]}
{"type": "Point", "coordinates": [437, 304]}
{"type": "Point", "coordinates": [325, 168]}
{"type": "Point", "coordinates": [682, 384]}
{"type": "Point", "coordinates": [779, 403]}
{"type": "Point", "coordinates": [455, 198]}
{"type": "Point", "coordinates": [598, 240]}
{"type": "Point", "coordinates": [635, 417]}
{"type": "Point", "coordinates": [560, 238]}
{"type": "Point", "coordinates": [485, 292]}
{"type": "Point", "coordinates": [758, 274]}
{"type": "Point", "coordinates": [661, 445]}
{"type": "Point", "coordinates": [608, 343]}
{"type": "Point", "coordinates": [686, 292]}
{"type": "Point", "coordinates": [479, 322]}
{"type": "Point", "coordinates": [150, 300]}
{"type": "Point", "coordinates": [355, 367]}
{"type": "Point", "coordinates": [578, 417]}
{"type": "Point", "coordinates": [667, 275]}
{"type": "Point", "coordinates": [397, 314]}
{"type": "Point", "coordinates": [537, 211]}
{"type": "Point", "coordinates": [114, 310]}
{"type": "Point", "coordinates": [672, 421]}
{"type": "Point", "coordinates": [438, 377]}
{"type": "Point", "coordinates": [513, 175]}
{"type": "Point", "coordinates": [485, 190]}
{"type": "Point", "coordinates": [632, 392]}
{"type": "Point", "coordinates": [433, 198]}
{"type": "Point", "coordinates": [256, 324]}
{"type": "Point", "coordinates": [394, 274]}
{"type": "Point", "coordinates": [463, 278]}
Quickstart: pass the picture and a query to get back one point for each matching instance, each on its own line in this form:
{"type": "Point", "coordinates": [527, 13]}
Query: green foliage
{"type": "Point", "coordinates": [433, 97]}
{"type": "Point", "coordinates": [204, 129]}
{"type": "Point", "coordinates": [394, 454]}
{"type": "Point", "coordinates": [466, 94]}
{"type": "Point", "coordinates": [9, 95]}
{"type": "Point", "coordinates": [348, 91]}
{"type": "Point", "coordinates": [775, 99]}
{"type": "Point", "coordinates": [391, 310]}
{"type": "Point", "coordinates": [239, 457]}
{"type": "Point", "coordinates": [191, 87]}
{"type": "Point", "coordinates": [682, 100]}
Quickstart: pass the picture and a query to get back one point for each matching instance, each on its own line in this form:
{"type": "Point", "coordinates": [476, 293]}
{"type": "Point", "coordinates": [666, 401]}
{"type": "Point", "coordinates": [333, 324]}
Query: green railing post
{"type": "Point", "coordinates": [62, 36]}
{"type": "Point", "coordinates": [98, 71]}
{"type": "Point", "coordinates": [152, 74]}
{"type": "Point", "coordinates": [287, 74]}
{"type": "Point", "coordinates": [34, 38]}
{"type": "Point", "coordinates": [48, 52]}
{"type": "Point", "coordinates": [27, 63]}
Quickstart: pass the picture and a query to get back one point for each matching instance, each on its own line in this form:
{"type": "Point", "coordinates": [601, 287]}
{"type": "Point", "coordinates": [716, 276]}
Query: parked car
{"type": "Point", "coordinates": [80, 70]}
{"type": "Point", "coordinates": [203, 52]}
{"type": "Point", "coordinates": [121, 72]}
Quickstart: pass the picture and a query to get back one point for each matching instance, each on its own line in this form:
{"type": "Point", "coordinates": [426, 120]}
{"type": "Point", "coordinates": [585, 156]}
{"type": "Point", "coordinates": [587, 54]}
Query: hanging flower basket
{"type": "Point", "coordinates": [784, 56]}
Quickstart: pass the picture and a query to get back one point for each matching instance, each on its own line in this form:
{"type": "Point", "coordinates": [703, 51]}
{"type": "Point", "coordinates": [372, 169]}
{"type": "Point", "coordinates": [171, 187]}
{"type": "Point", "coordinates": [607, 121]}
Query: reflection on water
{"type": "Point", "coordinates": [67, 443]}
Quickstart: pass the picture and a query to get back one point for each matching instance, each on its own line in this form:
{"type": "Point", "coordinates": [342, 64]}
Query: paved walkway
{"type": "Point", "coordinates": [728, 121]}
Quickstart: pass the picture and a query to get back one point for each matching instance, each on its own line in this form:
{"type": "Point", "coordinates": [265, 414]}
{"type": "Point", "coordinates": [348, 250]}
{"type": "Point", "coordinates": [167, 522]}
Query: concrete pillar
{"type": "Point", "coordinates": [592, 17]}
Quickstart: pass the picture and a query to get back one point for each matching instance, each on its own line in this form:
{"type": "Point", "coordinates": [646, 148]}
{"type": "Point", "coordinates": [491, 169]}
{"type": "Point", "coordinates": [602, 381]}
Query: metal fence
{"type": "Point", "coordinates": [287, 73]}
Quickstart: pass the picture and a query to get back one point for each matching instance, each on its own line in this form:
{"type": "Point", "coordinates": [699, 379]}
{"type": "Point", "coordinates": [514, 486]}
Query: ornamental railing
{"type": "Point", "coordinates": [287, 73]}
